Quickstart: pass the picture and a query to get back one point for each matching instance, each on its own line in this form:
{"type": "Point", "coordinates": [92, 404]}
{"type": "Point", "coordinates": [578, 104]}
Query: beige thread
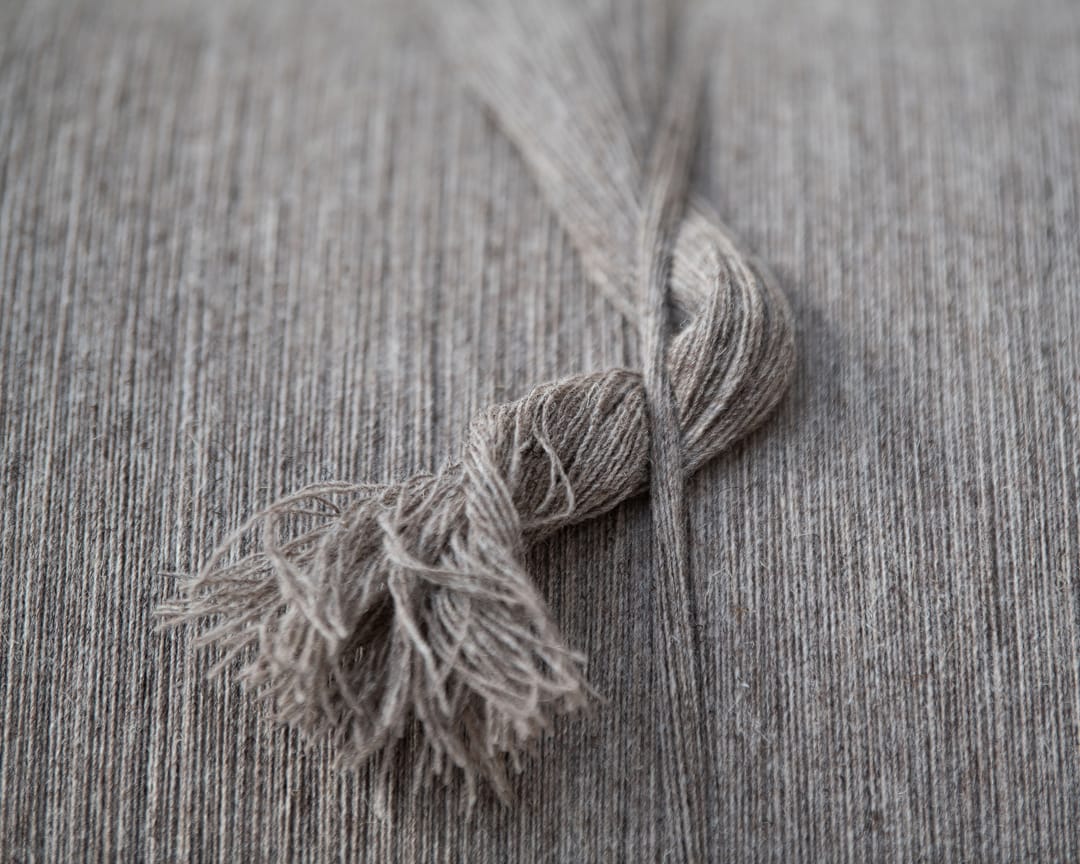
{"type": "Point", "coordinates": [409, 603]}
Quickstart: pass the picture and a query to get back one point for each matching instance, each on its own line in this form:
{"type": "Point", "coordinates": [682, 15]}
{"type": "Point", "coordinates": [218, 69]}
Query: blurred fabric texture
{"type": "Point", "coordinates": [249, 245]}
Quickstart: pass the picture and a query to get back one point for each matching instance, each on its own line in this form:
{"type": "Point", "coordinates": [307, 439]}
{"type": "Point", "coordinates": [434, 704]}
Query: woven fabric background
{"type": "Point", "coordinates": [249, 245]}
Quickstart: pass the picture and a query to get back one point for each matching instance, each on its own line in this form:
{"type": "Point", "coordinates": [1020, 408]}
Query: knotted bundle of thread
{"type": "Point", "coordinates": [408, 606]}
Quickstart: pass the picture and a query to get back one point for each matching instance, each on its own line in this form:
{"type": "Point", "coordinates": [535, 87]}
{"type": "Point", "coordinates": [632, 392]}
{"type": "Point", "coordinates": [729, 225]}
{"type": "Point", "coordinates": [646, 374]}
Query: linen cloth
{"type": "Point", "coordinates": [249, 245]}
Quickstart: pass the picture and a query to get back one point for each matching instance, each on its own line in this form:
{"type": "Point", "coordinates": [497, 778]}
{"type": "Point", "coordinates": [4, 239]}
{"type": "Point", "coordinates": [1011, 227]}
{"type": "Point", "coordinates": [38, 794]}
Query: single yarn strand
{"type": "Point", "coordinates": [666, 181]}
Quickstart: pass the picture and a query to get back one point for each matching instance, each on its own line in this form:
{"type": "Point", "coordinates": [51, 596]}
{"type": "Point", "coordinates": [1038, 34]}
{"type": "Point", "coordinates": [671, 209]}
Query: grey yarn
{"type": "Point", "coordinates": [370, 609]}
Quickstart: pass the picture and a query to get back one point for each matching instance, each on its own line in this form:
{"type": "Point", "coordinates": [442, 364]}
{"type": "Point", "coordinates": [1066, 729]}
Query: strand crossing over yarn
{"type": "Point", "coordinates": [365, 610]}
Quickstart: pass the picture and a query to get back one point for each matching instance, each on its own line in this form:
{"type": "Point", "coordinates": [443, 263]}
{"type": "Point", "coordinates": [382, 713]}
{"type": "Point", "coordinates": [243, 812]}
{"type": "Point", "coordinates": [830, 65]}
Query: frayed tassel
{"type": "Point", "coordinates": [366, 612]}
{"type": "Point", "coordinates": [408, 604]}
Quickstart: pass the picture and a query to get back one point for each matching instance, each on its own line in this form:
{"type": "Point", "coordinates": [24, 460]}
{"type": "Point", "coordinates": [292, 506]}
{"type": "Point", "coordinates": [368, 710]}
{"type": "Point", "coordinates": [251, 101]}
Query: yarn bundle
{"type": "Point", "coordinates": [362, 611]}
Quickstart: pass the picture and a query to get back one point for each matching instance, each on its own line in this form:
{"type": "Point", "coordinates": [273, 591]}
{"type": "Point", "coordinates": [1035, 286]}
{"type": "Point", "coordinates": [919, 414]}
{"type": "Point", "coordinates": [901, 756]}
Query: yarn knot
{"type": "Point", "coordinates": [366, 610]}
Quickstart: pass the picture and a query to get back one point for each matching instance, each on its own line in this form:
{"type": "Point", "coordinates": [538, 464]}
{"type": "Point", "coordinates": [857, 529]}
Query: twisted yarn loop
{"type": "Point", "coordinates": [366, 610]}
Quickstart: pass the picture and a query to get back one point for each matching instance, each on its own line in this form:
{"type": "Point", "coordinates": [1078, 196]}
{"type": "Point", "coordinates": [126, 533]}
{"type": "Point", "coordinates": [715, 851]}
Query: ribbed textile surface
{"type": "Point", "coordinates": [245, 246]}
